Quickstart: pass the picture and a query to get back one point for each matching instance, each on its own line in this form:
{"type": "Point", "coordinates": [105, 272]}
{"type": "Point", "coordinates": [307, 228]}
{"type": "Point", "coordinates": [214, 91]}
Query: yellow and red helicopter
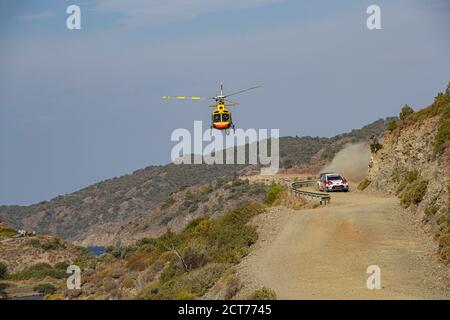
{"type": "Point", "coordinates": [221, 117]}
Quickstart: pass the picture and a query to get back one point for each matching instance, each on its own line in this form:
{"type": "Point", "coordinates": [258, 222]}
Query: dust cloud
{"type": "Point", "coordinates": [351, 162]}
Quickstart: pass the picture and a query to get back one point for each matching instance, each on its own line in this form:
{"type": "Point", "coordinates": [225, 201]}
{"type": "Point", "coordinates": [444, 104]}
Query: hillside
{"type": "Point", "coordinates": [130, 205]}
{"type": "Point", "coordinates": [176, 211]}
{"type": "Point", "coordinates": [112, 200]}
{"type": "Point", "coordinates": [27, 261]}
{"type": "Point", "coordinates": [414, 164]}
{"type": "Point", "coordinates": [180, 265]}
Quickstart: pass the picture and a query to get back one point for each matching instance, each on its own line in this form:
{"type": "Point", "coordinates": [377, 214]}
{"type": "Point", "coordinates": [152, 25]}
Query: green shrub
{"type": "Point", "coordinates": [443, 219]}
{"type": "Point", "coordinates": [430, 212]}
{"type": "Point", "coordinates": [175, 268]}
{"type": "Point", "coordinates": [207, 246]}
{"type": "Point", "coordinates": [392, 125]}
{"type": "Point", "coordinates": [53, 244]}
{"type": "Point", "coordinates": [444, 247]}
{"type": "Point", "coordinates": [117, 252]}
{"type": "Point", "coordinates": [195, 256]}
{"type": "Point", "coordinates": [83, 250]}
{"type": "Point", "coordinates": [45, 288]}
{"type": "Point", "coordinates": [440, 107]}
{"type": "Point", "coordinates": [184, 295]}
{"type": "Point", "coordinates": [63, 265]}
{"type": "Point", "coordinates": [448, 200]}
{"type": "Point", "coordinates": [401, 187]}
{"type": "Point", "coordinates": [273, 194]}
{"type": "Point", "coordinates": [231, 234]}
{"type": "Point", "coordinates": [406, 112]}
{"type": "Point", "coordinates": [188, 285]}
{"type": "Point", "coordinates": [85, 261]}
{"type": "Point", "coordinates": [38, 271]}
{"type": "Point", "coordinates": [414, 193]}
{"type": "Point", "coordinates": [442, 136]}
{"type": "Point", "coordinates": [263, 294]}
{"type": "Point", "coordinates": [3, 270]}
{"type": "Point", "coordinates": [411, 176]}
{"type": "Point", "coordinates": [8, 233]}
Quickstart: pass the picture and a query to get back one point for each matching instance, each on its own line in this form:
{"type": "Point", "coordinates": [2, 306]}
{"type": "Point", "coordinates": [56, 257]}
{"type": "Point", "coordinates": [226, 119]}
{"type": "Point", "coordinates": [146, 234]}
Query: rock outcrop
{"type": "Point", "coordinates": [414, 164]}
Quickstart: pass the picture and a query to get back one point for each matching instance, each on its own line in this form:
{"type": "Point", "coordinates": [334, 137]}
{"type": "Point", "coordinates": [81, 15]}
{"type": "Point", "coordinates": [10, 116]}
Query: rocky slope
{"type": "Point", "coordinates": [413, 163]}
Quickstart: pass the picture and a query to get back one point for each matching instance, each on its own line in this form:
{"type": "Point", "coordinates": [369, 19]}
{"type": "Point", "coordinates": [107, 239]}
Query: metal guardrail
{"type": "Point", "coordinates": [295, 188]}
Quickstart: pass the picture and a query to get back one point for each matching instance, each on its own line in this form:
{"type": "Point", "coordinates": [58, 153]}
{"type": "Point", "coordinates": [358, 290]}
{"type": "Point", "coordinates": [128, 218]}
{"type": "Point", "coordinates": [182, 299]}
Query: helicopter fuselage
{"type": "Point", "coordinates": [221, 117]}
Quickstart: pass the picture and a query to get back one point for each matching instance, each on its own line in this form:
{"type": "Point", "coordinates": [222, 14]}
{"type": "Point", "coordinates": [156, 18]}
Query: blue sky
{"type": "Point", "coordinates": [80, 106]}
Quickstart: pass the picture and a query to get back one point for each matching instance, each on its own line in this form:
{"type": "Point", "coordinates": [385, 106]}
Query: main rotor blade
{"type": "Point", "coordinates": [183, 97]}
{"type": "Point", "coordinates": [231, 103]}
{"type": "Point", "coordinates": [241, 91]}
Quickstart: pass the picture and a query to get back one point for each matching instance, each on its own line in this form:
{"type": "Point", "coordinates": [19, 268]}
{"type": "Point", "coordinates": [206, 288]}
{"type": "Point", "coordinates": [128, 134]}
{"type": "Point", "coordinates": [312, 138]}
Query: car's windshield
{"type": "Point", "coordinates": [334, 178]}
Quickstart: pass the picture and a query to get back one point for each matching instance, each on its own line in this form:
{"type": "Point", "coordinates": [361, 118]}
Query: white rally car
{"type": "Point", "coordinates": [332, 182]}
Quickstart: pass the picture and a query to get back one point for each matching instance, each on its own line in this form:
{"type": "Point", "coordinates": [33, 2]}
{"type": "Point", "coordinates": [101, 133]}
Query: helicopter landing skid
{"type": "Point", "coordinates": [227, 131]}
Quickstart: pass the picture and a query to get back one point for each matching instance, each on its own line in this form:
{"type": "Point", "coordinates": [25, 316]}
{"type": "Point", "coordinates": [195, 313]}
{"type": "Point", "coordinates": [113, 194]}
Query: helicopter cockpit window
{"type": "Point", "coordinates": [216, 118]}
{"type": "Point", "coordinates": [225, 117]}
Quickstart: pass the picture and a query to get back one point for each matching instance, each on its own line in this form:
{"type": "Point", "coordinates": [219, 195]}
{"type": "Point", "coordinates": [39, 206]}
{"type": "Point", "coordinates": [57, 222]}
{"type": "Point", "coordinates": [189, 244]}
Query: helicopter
{"type": "Point", "coordinates": [221, 117]}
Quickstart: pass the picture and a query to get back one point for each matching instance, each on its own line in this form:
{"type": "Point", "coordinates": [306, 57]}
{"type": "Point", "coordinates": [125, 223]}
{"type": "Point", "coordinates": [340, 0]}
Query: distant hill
{"type": "Point", "coordinates": [112, 200]}
{"type": "Point", "coordinates": [108, 204]}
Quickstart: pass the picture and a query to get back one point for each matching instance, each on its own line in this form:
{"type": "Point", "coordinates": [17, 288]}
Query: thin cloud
{"type": "Point", "coordinates": [137, 13]}
{"type": "Point", "coordinates": [36, 16]}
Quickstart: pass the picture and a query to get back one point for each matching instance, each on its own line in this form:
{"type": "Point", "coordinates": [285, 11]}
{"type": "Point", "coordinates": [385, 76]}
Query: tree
{"type": "Point", "coordinates": [405, 112]}
{"type": "Point", "coordinates": [392, 125]}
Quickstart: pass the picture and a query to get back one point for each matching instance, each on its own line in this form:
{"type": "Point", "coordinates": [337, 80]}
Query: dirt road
{"type": "Point", "coordinates": [324, 253]}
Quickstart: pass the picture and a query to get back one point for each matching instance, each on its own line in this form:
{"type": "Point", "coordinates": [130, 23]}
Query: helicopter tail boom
{"type": "Point", "coordinates": [183, 97]}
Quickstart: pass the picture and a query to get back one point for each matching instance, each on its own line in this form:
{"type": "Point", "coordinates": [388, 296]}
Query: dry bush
{"type": "Point", "coordinates": [232, 287]}
{"type": "Point", "coordinates": [138, 262]}
{"type": "Point", "coordinates": [430, 212]}
{"type": "Point", "coordinates": [263, 294]}
{"type": "Point", "coordinates": [291, 201]}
